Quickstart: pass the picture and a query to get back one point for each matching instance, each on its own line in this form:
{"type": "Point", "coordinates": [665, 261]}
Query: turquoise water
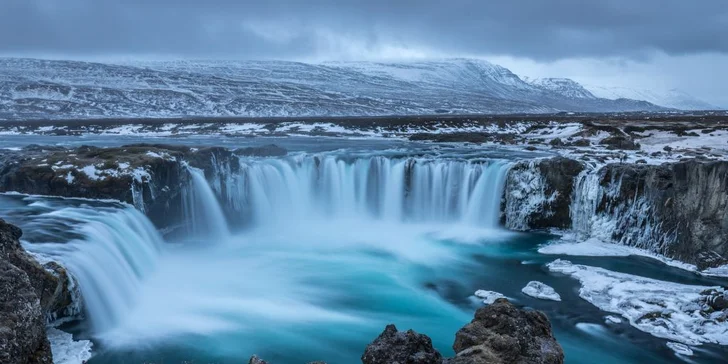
{"type": "Point", "coordinates": [307, 294]}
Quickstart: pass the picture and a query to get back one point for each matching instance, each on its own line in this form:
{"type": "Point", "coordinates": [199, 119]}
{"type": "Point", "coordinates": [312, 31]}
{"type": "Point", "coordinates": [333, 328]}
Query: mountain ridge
{"type": "Point", "coordinates": [39, 89]}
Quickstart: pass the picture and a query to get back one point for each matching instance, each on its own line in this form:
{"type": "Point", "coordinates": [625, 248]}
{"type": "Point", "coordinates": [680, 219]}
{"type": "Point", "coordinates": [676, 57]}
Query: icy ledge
{"type": "Point", "coordinates": [668, 310]}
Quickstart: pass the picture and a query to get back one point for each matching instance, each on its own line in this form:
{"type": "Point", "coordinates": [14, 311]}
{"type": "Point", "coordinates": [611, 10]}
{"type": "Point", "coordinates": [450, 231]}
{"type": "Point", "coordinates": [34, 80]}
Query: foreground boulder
{"type": "Point", "coordinates": [503, 333]}
{"type": "Point", "coordinates": [394, 346]}
{"type": "Point", "coordinates": [26, 291]}
{"type": "Point", "coordinates": [499, 333]}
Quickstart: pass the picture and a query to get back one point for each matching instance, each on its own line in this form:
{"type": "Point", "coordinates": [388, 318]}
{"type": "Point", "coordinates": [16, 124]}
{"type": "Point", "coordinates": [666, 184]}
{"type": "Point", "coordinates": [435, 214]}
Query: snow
{"type": "Point", "coordinates": [680, 349]}
{"type": "Point", "coordinates": [721, 271]}
{"type": "Point", "coordinates": [69, 178]}
{"type": "Point", "coordinates": [67, 351]}
{"type": "Point", "coordinates": [664, 309]}
{"type": "Point", "coordinates": [488, 296]}
{"type": "Point", "coordinates": [540, 290]}
{"type": "Point", "coordinates": [613, 319]}
{"type": "Point", "coordinates": [594, 247]}
{"type": "Point", "coordinates": [91, 172]}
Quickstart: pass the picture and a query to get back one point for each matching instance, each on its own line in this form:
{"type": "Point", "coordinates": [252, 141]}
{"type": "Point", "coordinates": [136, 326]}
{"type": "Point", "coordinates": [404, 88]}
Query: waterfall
{"type": "Point", "coordinates": [118, 249]}
{"type": "Point", "coordinates": [206, 218]}
{"type": "Point", "coordinates": [265, 191]}
{"type": "Point", "coordinates": [602, 211]}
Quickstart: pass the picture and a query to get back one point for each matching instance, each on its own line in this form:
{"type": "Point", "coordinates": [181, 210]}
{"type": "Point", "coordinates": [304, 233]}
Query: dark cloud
{"type": "Point", "coordinates": [537, 29]}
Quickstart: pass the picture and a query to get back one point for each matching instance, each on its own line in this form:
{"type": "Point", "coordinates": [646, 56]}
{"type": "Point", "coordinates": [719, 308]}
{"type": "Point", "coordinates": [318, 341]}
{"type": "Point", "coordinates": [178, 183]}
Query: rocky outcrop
{"type": "Point", "coordinates": [149, 176]}
{"type": "Point", "coordinates": [499, 333]}
{"type": "Point", "coordinates": [27, 293]}
{"type": "Point", "coordinates": [538, 193]}
{"type": "Point", "coordinates": [503, 333]}
{"type": "Point", "coordinates": [394, 346]}
{"type": "Point", "coordinates": [678, 209]}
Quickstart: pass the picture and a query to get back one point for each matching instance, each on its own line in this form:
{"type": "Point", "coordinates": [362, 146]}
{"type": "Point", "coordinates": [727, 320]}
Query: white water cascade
{"type": "Point", "coordinates": [379, 188]}
{"type": "Point", "coordinates": [206, 217]}
{"type": "Point", "coordinates": [119, 249]}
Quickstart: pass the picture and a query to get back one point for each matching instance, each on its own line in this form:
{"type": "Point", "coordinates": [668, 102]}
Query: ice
{"type": "Point", "coordinates": [663, 309]}
{"type": "Point", "coordinates": [680, 349]}
{"type": "Point", "coordinates": [488, 296]}
{"type": "Point", "coordinates": [67, 351]}
{"type": "Point", "coordinates": [721, 271]}
{"type": "Point", "coordinates": [540, 290]}
{"type": "Point", "coordinates": [593, 247]}
{"type": "Point", "coordinates": [69, 178]}
{"type": "Point", "coordinates": [613, 319]}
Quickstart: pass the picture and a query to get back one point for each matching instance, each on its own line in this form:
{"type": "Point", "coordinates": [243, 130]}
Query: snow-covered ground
{"type": "Point", "coordinates": [664, 309]}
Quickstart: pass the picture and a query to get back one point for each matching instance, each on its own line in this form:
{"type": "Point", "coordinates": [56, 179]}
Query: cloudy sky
{"type": "Point", "coordinates": [659, 44]}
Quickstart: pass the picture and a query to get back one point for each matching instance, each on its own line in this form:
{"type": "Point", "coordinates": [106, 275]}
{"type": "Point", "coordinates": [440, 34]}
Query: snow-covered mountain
{"type": "Point", "coordinates": [31, 88]}
{"type": "Point", "coordinates": [564, 86]}
{"type": "Point", "coordinates": [674, 99]}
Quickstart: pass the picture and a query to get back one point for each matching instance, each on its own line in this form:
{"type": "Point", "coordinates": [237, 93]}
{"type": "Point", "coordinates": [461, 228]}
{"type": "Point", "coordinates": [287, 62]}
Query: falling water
{"type": "Point", "coordinates": [206, 217]}
{"type": "Point", "coordinates": [379, 188]}
{"type": "Point", "coordinates": [117, 250]}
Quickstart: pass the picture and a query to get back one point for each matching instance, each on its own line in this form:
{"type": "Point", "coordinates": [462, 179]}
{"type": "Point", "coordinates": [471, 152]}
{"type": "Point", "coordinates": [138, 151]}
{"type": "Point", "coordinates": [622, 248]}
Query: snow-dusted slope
{"type": "Point", "coordinates": [31, 88]}
{"type": "Point", "coordinates": [675, 99]}
{"type": "Point", "coordinates": [564, 86]}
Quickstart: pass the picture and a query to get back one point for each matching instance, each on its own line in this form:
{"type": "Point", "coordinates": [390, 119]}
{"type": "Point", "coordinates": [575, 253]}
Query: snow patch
{"type": "Point", "coordinates": [488, 297]}
{"type": "Point", "coordinates": [67, 351]}
{"type": "Point", "coordinates": [540, 290]}
{"type": "Point", "coordinates": [680, 349]}
{"type": "Point", "coordinates": [663, 309]}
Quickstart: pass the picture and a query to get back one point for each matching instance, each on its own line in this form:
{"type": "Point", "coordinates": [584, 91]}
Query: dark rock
{"type": "Point", "coordinates": [687, 215]}
{"type": "Point", "coordinates": [557, 176]}
{"type": "Point", "coordinates": [256, 360]}
{"type": "Point", "coordinates": [620, 142]}
{"type": "Point", "coordinates": [667, 148]}
{"type": "Point", "coordinates": [397, 347]}
{"type": "Point", "coordinates": [23, 337]}
{"type": "Point", "coordinates": [556, 142]}
{"type": "Point", "coordinates": [582, 143]}
{"type": "Point", "coordinates": [641, 161]}
{"type": "Point", "coordinates": [502, 333]}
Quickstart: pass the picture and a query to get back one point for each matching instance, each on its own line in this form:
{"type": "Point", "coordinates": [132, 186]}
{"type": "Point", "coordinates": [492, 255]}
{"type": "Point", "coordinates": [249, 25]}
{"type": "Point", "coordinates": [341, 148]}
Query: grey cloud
{"type": "Point", "coordinates": [537, 29]}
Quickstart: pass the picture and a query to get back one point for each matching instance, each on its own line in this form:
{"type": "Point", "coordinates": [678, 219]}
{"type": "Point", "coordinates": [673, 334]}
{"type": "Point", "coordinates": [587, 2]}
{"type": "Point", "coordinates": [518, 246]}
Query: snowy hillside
{"type": "Point", "coordinates": [31, 88]}
{"type": "Point", "coordinates": [564, 86]}
{"type": "Point", "coordinates": [675, 99]}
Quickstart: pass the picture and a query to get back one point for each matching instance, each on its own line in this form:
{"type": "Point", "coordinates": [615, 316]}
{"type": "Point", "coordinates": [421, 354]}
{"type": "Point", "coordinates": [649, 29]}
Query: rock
{"type": "Point", "coordinates": [556, 142]}
{"type": "Point", "coordinates": [538, 194]}
{"type": "Point", "coordinates": [48, 287]}
{"type": "Point", "coordinates": [23, 337]}
{"type": "Point", "coordinates": [620, 142]}
{"type": "Point", "coordinates": [667, 148]}
{"type": "Point", "coordinates": [582, 143]}
{"type": "Point", "coordinates": [502, 333]}
{"type": "Point", "coordinates": [256, 360]}
{"type": "Point", "coordinates": [397, 347]}
{"type": "Point", "coordinates": [685, 209]}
